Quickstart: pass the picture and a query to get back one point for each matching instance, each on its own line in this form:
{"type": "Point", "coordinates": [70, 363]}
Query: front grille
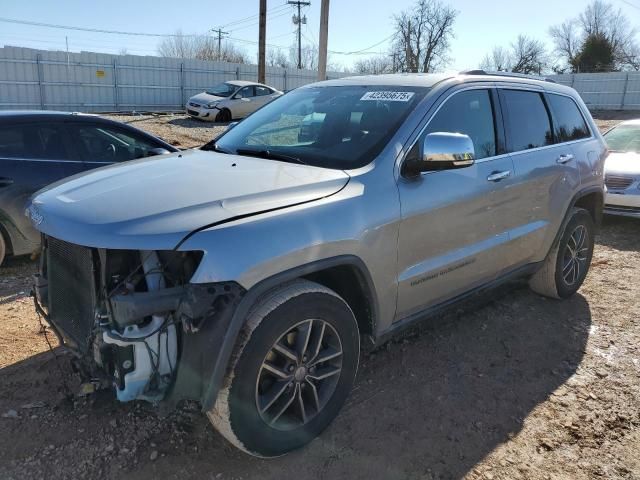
{"type": "Point", "coordinates": [192, 112]}
{"type": "Point", "coordinates": [72, 297]}
{"type": "Point", "coordinates": [617, 182]}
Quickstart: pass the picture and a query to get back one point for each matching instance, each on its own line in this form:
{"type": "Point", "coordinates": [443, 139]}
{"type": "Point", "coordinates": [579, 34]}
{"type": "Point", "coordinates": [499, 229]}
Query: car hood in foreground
{"type": "Point", "coordinates": [154, 203]}
{"type": "Point", "coordinates": [625, 163]}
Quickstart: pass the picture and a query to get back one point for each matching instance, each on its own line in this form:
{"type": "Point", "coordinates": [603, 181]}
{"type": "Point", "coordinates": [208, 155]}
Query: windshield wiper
{"type": "Point", "coordinates": [270, 155]}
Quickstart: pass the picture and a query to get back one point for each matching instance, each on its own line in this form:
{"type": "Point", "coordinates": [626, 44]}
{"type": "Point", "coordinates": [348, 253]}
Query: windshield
{"type": "Point", "coordinates": [624, 138]}
{"type": "Point", "coordinates": [341, 127]}
{"type": "Point", "coordinates": [222, 90]}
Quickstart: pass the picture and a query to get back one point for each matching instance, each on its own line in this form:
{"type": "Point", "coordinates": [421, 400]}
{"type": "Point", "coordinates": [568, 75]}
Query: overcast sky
{"type": "Point", "coordinates": [353, 24]}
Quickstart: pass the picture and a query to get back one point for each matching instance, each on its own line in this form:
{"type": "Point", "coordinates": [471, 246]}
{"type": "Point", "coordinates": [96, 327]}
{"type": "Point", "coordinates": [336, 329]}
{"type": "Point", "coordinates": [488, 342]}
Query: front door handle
{"type": "Point", "coordinates": [562, 159]}
{"type": "Point", "coordinates": [497, 176]}
{"type": "Point", "coordinates": [5, 182]}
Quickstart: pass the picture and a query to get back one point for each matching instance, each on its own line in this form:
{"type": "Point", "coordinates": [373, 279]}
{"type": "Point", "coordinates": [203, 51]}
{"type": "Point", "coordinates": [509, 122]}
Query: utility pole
{"type": "Point", "coordinates": [298, 20]}
{"type": "Point", "coordinates": [322, 43]}
{"type": "Point", "coordinates": [394, 56]}
{"type": "Point", "coordinates": [220, 34]}
{"type": "Point", "coordinates": [262, 38]}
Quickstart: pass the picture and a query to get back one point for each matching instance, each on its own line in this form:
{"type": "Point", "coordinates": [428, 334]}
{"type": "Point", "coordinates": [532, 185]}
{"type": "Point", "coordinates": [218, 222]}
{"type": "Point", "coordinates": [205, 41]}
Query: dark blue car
{"type": "Point", "coordinates": [40, 147]}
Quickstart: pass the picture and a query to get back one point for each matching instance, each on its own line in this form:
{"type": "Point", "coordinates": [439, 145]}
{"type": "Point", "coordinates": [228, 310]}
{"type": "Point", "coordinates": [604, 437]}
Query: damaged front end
{"type": "Point", "coordinates": [133, 317]}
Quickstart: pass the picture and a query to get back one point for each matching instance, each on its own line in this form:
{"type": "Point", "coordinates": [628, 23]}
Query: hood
{"type": "Point", "coordinates": [204, 98]}
{"type": "Point", "coordinates": [153, 203]}
{"type": "Point", "coordinates": [625, 163]}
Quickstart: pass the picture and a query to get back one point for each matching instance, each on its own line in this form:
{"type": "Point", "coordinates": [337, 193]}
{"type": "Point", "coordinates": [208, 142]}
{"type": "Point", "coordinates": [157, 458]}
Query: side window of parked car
{"type": "Point", "coordinates": [246, 92]}
{"type": "Point", "coordinates": [469, 112]}
{"type": "Point", "coordinates": [98, 143]}
{"type": "Point", "coordinates": [569, 122]}
{"type": "Point", "coordinates": [33, 141]}
{"type": "Point", "coordinates": [527, 120]}
{"type": "Point", "coordinates": [261, 91]}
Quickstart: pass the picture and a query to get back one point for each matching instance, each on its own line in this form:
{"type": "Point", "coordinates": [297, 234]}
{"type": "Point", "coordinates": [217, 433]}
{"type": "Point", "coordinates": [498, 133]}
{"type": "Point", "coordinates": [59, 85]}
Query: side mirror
{"type": "Point", "coordinates": [157, 151]}
{"type": "Point", "coordinates": [441, 151]}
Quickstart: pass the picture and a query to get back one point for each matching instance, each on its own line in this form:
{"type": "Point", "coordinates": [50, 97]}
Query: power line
{"type": "Point", "coordinates": [631, 4]}
{"type": "Point", "coordinates": [94, 30]}
{"type": "Point", "coordinates": [364, 50]}
{"type": "Point", "coordinates": [253, 17]}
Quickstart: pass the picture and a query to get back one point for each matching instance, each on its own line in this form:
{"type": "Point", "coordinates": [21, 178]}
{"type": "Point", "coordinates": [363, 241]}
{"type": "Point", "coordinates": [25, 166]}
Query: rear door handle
{"type": "Point", "coordinates": [497, 176]}
{"type": "Point", "coordinates": [564, 158]}
{"type": "Point", "coordinates": [5, 182]}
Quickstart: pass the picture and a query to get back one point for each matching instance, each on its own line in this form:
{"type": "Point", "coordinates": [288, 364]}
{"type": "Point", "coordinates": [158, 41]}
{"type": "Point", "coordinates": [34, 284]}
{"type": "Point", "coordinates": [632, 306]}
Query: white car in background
{"type": "Point", "coordinates": [230, 100]}
{"type": "Point", "coordinates": [622, 170]}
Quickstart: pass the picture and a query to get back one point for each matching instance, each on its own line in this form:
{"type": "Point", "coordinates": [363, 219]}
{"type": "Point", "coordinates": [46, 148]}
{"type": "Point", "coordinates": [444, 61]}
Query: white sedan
{"type": "Point", "coordinates": [230, 100]}
{"type": "Point", "coordinates": [622, 170]}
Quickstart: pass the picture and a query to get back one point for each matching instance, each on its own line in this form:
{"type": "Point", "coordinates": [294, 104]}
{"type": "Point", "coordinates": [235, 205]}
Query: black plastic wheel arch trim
{"type": "Point", "coordinates": [221, 362]}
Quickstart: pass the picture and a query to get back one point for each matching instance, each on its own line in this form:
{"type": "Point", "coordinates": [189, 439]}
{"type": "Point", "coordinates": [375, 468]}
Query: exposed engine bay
{"type": "Point", "coordinates": [127, 315]}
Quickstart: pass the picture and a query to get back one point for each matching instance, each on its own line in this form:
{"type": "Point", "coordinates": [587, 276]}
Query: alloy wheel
{"type": "Point", "coordinates": [574, 262]}
{"type": "Point", "coordinates": [299, 375]}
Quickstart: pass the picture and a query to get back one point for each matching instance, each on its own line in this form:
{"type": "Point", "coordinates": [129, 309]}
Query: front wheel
{"type": "Point", "coordinates": [291, 373]}
{"type": "Point", "coordinates": [223, 116]}
{"type": "Point", "coordinates": [566, 266]}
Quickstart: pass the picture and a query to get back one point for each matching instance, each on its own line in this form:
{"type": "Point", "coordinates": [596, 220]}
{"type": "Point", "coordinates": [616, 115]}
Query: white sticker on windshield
{"type": "Point", "coordinates": [388, 96]}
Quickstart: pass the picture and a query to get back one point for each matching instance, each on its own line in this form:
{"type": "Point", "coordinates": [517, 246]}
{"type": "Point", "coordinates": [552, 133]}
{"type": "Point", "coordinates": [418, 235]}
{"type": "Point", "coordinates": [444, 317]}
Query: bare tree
{"type": "Point", "coordinates": [422, 36]}
{"type": "Point", "coordinates": [499, 60]}
{"type": "Point", "coordinates": [374, 65]}
{"type": "Point", "coordinates": [525, 55]}
{"type": "Point", "coordinates": [599, 19]}
{"type": "Point", "coordinates": [566, 40]}
{"type": "Point", "coordinates": [277, 58]}
{"type": "Point", "coordinates": [528, 55]}
{"type": "Point", "coordinates": [200, 47]}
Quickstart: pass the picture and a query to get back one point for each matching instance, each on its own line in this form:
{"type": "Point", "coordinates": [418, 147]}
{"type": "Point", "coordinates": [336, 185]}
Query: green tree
{"type": "Point", "coordinates": [596, 55]}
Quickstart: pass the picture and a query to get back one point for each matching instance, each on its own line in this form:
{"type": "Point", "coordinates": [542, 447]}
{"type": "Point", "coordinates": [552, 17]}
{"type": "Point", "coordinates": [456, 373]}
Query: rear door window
{"type": "Point", "coordinates": [526, 119]}
{"type": "Point", "coordinates": [568, 121]}
{"type": "Point", "coordinates": [33, 141]}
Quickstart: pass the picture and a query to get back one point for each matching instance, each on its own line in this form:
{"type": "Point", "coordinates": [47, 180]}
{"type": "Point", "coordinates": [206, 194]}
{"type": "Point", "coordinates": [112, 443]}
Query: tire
{"type": "Point", "coordinates": [563, 273]}
{"type": "Point", "coordinates": [223, 116]}
{"type": "Point", "coordinates": [3, 249]}
{"type": "Point", "coordinates": [299, 307]}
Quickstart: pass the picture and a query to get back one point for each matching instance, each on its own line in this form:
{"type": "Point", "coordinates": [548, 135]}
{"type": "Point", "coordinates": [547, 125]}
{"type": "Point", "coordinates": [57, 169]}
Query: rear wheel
{"type": "Point", "coordinates": [566, 266]}
{"type": "Point", "coordinates": [223, 116]}
{"type": "Point", "coordinates": [291, 373]}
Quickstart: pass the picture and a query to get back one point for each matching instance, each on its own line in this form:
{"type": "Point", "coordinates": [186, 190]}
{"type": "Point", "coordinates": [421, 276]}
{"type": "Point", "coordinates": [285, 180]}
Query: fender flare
{"type": "Point", "coordinates": [238, 320]}
{"type": "Point", "coordinates": [567, 215]}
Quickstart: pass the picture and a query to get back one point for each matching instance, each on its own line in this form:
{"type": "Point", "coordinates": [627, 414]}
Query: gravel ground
{"type": "Point", "coordinates": [179, 129]}
{"type": "Point", "coordinates": [520, 387]}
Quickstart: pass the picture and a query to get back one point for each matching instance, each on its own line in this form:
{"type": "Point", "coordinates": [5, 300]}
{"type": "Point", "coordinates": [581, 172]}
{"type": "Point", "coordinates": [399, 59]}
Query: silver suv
{"type": "Point", "coordinates": [245, 275]}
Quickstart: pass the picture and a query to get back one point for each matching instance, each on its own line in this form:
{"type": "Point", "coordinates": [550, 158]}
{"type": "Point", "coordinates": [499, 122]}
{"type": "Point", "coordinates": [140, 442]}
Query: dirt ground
{"type": "Point", "coordinates": [520, 387]}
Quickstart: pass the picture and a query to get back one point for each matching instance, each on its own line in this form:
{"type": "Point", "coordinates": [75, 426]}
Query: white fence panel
{"type": "Point", "coordinates": [97, 82]}
{"type": "Point", "coordinates": [605, 91]}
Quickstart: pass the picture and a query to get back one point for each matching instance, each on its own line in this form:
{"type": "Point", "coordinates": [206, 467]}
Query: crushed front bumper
{"type": "Point", "coordinates": [202, 112]}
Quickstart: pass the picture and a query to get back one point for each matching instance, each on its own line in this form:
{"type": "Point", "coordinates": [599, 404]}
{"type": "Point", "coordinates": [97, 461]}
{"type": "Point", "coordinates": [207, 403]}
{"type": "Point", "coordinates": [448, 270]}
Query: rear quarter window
{"type": "Point", "coordinates": [568, 120]}
{"type": "Point", "coordinates": [527, 120]}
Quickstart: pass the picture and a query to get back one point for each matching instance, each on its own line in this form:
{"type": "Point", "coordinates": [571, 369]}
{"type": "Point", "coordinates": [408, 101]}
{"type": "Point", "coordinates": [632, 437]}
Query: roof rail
{"type": "Point", "coordinates": [506, 74]}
